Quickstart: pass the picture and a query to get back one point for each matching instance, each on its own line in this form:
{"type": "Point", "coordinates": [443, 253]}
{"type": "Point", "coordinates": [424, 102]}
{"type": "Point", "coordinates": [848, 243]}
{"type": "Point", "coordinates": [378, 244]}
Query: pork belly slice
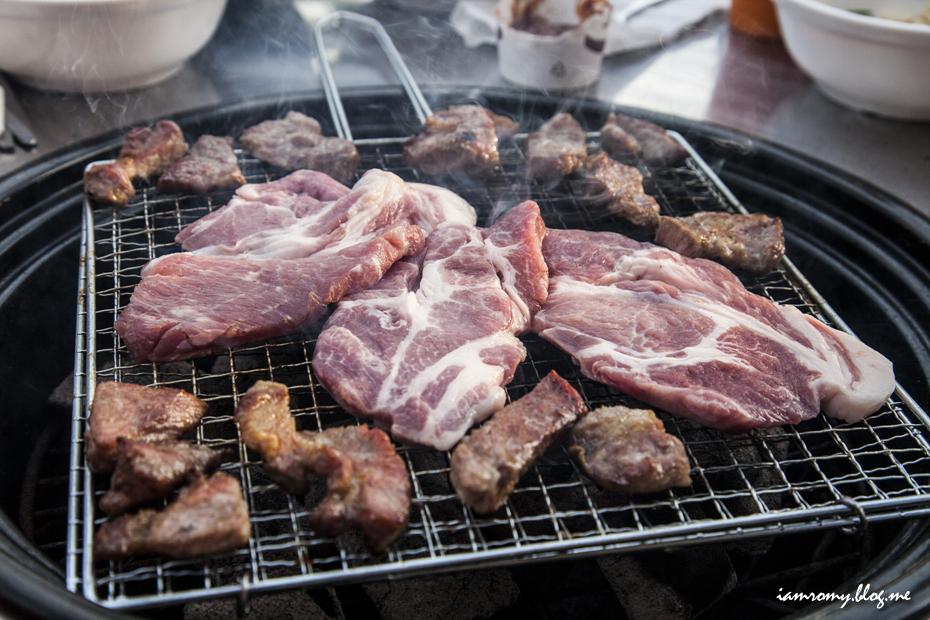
{"type": "Point", "coordinates": [426, 352]}
{"type": "Point", "coordinates": [487, 464]}
{"type": "Point", "coordinates": [367, 485]}
{"type": "Point", "coordinates": [461, 138]}
{"type": "Point", "coordinates": [620, 187]}
{"type": "Point", "coordinates": [307, 212]}
{"type": "Point", "coordinates": [628, 450]}
{"type": "Point", "coordinates": [626, 138]}
{"type": "Point", "coordinates": [146, 472]}
{"type": "Point", "coordinates": [188, 305]}
{"type": "Point", "coordinates": [296, 142]}
{"type": "Point", "coordinates": [558, 149]}
{"type": "Point", "coordinates": [210, 165]}
{"type": "Point", "coordinates": [145, 155]}
{"type": "Point", "coordinates": [137, 413]}
{"type": "Point", "coordinates": [209, 516]}
{"type": "Point", "coordinates": [684, 335]}
{"type": "Point", "coordinates": [754, 243]}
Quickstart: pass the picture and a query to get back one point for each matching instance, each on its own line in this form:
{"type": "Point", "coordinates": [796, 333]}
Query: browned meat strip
{"type": "Point", "coordinates": [146, 472]}
{"type": "Point", "coordinates": [367, 486]}
{"type": "Point", "coordinates": [296, 142]}
{"type": "Point", "coordinates": [556, 150]}
{"type": "Point", "coordinates": [138, 413]}
{"type": "Point", "coordinates": [210, 165]}
{"type": "Point", "coordinates": [145, 155]}
{"type": "Point", "coordinates": [628, 450]}
{"type": "Point", "coordinates": [459, 138]}
{"type": "Point", "coordinates": [627, 138]}
{"type": "Point", "coordinates": [754, 242]}
{"type": "Point", "coordinates": [111, 182]}
{"type": "Point", "coordinates": [621, 187]}
{"type": "Point", "coordinates": [267, 427]}
{"type": "Point", "coordinates": [487, 464]}
{"type": "Point", "coordinates": [209, 516]}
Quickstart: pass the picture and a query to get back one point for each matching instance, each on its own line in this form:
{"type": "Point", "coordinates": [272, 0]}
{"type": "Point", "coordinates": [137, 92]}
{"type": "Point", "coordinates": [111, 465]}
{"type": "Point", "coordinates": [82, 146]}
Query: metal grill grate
{"type": "Point", "coordinates": [821, 473]}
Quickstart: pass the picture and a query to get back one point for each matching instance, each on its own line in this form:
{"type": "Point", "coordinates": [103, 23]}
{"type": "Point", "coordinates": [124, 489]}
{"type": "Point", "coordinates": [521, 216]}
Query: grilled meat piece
{"type": "Point", "coordinates": [111, 182]}
{"type": "Point", "coordinates": [210, 165]}
{"type": "Point", "coordinates": [146, 472]}
{"type": "Point", "coordinates": [137, 413]}
{"type": "Point", "coordinates": [556, 150]}
{"type": "Point", "coordinates": [367, 486]}
{"type": "Point", "coordinates": [145, 154]}
{"type": "Point", "coordinates": [296, 142]}
{"type": "Point", "coordinates": [209, 516]}
{"type": "Point", "coordinates": [459, 138]}
{"type": "Point", "coordinates": [487, 464]}
{"type": "Point", "coordinates": [754, 242]}
{"type": "Point", "coordinates": [621, 188]}
{"type": "Point", "coordinates": [628, 450]}
{"type": "Point", "coordinates": [627, 138]}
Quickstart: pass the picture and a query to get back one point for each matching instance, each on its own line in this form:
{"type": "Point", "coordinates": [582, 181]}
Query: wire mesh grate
{"type": "Point", "coordinates": [760, 483]}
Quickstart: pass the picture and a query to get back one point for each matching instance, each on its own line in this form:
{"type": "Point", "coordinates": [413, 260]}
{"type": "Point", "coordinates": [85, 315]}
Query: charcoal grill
{"type": "Point", "coordinates": [818, 475]}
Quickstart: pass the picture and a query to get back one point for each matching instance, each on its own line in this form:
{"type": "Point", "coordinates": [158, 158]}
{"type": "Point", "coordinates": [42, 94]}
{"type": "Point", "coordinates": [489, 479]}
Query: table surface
{"type": "Point", "coordinates": [708, 73]}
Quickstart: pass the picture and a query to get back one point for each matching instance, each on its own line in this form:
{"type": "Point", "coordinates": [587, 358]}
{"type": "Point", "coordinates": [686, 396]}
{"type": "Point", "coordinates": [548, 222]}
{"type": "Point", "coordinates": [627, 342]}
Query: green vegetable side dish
{"type": "Point", "coordinates": [866, 12]}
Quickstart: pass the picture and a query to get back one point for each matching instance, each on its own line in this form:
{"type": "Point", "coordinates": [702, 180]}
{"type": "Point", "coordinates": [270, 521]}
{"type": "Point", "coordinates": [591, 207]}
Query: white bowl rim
{"type": "Point", "coordinates": [850, 17]}
{"type": "Point", "coordinates": [42, 8]}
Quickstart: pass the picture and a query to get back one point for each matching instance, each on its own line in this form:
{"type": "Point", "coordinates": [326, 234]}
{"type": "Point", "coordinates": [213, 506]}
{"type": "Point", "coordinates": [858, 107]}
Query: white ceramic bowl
{"type": "Point", "coordinates": [865, 63]}
{"type": "Point", "coordinates": [102, 45]}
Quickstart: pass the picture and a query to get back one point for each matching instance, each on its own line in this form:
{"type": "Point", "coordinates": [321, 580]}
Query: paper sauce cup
{"type": "Point", "coordinates": [564, 61]}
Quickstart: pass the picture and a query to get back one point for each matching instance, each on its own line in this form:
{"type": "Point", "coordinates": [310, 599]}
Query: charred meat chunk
{"type": "Point", "coordinates": [556, 150]}
{"type": "Point", "coordinates": [626, 138]}
{"type": "Point", "coordinates": [460, 138]}
{"type": "Point", "coordinates": [487, 464]}
{"type": "Point", "coordinates": [145, 154]}
{"type": "Point", "coordinates": [210, 165]}
{"type": "Point", "coordinates": [754, 243]}
{"type": "Point", "coordinates": [146, 472]}
{"type": "Point", "coordinates": [628, 450]}
{"type": "Point", "coordinates": [367, 486]}
{"type": "Point", "coordinates": [137, 413]}
{"type": "Point", "coordinates": [296, 142]}
{"type": "Point", "coordinates": [209, 516]}
{"type": "Point", "coordinates": [621, 188]}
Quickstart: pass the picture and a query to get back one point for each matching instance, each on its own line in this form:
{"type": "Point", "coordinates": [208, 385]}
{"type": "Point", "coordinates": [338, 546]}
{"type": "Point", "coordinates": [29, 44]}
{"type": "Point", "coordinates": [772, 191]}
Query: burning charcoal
{"type": "Point", "coordinates": [487, 464]}
{"type": "Point", "coordinates": [460, 138]}
{"type": "Point", "coordinates": [627, 138]}
{"type": "Point", "coordinates": [210, 516]}
{"type": "Point", "coordinates": [621, 188]}
{"type": "Point", "coordinates": [628, 450]}
{"type": "Point", "coordinates": [754, 243]}
{"type": "Point", "coordinates": [289, 605]}
{"type": "Point", "coordinates": [296, 142]}
{"type": "Point", "coordinates": [556, 150]}
{"type": "Point", "coordinates": [146, 472]}
{"type": "Point", "coordinates": [139, 413]}
{"type": "Point", "coordinates": [675, 585]}
{"type": "Point", "coordinates": [460, 596]}
{"type": "Point", "coordinates": [210, 165]}
{"type": "Point", "coordinates": [367, 485]}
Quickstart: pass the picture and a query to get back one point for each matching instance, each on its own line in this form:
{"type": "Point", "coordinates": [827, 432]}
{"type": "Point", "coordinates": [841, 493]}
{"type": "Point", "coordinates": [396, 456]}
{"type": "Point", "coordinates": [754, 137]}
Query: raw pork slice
{"type": "Point", "coordinates": [307, 212]}
{"type": "Point", "coordinates": [426, 351]}
{"type": "Point", "coordinates": [684, 335]}
{"type": "Point", "coordinates": [189, 305]}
